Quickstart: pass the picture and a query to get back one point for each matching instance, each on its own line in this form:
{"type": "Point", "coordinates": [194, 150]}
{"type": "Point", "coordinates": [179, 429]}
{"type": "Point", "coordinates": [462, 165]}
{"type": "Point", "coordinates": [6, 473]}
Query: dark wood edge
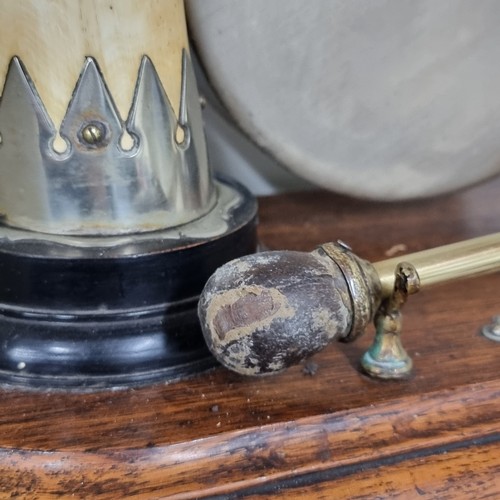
{"type": "Point", "coordinates": [269, 453]}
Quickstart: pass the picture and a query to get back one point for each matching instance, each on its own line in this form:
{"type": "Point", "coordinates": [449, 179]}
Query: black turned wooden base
{"type": "Point", "coordinates": [93, 317]}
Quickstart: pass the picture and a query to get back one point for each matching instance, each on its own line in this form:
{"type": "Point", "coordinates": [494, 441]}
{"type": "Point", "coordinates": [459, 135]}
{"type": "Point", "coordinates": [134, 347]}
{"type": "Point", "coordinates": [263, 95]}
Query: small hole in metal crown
{"type": "Point", "coordinates": [182, 135]}
{"type": "Point", "coordinates": [60, 145]}
{"type": "Point", "coordinates": [127, 141]}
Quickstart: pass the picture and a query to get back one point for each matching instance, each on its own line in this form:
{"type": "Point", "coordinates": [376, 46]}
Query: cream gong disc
{"type": "Point", "coordinates": [388, 100]}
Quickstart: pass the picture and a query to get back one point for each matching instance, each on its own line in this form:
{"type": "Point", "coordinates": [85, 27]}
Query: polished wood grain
{"type": "Point", "coordinates": [332, 434]}
{"type": "Point", "coordinates": [467, 473]}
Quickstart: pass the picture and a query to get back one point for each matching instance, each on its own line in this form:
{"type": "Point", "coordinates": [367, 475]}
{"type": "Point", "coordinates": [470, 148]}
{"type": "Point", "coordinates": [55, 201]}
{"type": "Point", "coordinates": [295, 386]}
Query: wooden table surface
{"type": "Point", "coordinates": [332, 434]}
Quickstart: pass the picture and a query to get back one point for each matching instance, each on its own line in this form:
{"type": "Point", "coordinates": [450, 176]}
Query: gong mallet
{"type": "Point", "coordinates": [265, 312]}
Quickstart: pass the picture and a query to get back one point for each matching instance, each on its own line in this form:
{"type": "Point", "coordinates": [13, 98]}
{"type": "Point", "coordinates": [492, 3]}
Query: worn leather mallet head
{"type": "Point", "coordinates": [265, 312]}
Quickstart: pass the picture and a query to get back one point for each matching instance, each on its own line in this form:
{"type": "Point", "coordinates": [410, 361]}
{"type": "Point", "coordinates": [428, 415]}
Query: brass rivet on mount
{"type": "Point", "coordinates": [93, 134]}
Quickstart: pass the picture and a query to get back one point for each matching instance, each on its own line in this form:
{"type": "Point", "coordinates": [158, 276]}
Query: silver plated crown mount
{"type": "Point", "coordinates": [96, 186]}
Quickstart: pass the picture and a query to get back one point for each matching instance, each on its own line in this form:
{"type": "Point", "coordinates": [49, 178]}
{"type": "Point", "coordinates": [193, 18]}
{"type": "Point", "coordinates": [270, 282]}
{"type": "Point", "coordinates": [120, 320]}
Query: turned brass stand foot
{"type": "Point", "coordinates": [492, 331]}
{"type": "Point", "coordinates": [387, 358]}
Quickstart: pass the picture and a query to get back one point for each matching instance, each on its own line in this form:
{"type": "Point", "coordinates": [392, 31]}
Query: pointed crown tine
{"type": "Point", "coordinates": [18, 80]}
{"type": "Point", "coordinates": [103, 188]}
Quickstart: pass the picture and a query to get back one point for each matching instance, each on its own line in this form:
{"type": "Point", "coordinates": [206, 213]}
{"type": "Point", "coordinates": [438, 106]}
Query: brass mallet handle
{"type": "Point", "coordinates": [265, 312]}
{"type": "Point", "coordinates": [464, 259]}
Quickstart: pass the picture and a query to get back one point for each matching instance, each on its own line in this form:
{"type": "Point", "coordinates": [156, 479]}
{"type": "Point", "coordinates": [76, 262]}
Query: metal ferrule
{"type": "Point", "coordinates": [363, 283]}
{"type": "Point", "coordinates": [97, 187]}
